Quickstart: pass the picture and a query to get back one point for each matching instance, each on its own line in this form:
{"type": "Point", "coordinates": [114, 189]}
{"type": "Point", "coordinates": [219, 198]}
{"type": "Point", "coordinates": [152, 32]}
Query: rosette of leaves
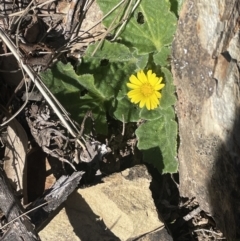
{"type": "Point", "coordinates": [99, 83]}
{"type": "Point", "coordinates": [149, 31]}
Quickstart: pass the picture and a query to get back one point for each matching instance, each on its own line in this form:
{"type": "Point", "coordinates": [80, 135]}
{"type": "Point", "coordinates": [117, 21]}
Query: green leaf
{"type": "Point", "coordinates": [98, 109]}
{"type": "Point", "coordinates": [141, 60]}
{"type": "Point", "coordinates": [104, 76]}
{"type": "Point", "coordinates": [113, 52]}
{"type": "Point", "coordinates": [168, 92]}
{"type": "Point", "coordinates": [161, 58]}
{"type": "Point", "coordinates": [67, 86]}
{"type": "Point", "coordinates": [62, 79]}
{"type": "Point", "coordinates": [125, 110]}
{"type": "Point", "coordinates": [151, 114]}
{"type": "Point", "coordinates": [158, 141]}
{"type": "Point", "coordinates": [89, 84]}
{"type": "Point", "coordinates": [111, 67]}
{"type": "Point", "coordinates": [149, 28]}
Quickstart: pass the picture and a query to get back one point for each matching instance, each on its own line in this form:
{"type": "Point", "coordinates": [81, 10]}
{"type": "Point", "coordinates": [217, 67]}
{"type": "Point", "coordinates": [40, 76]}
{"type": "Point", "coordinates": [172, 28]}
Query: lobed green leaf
{"type": "Point", "coordinates": [149, 28]}
{"type": "Point", "coordinates": [157, 140]}
{"type": "Point", "coordinates": [111, 67]}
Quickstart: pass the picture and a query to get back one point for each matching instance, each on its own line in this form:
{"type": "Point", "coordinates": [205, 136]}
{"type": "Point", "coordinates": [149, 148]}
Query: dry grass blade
{"type": "Point", "coordinates": [76, 29]}
{"type": "Point", "coordinates": [40, 85]}
{"type": "Point", "coordinates": [127, 9]}
{"type": "Point", "coordinates": [126, 16]}
{"type": "Point", "coordinates": [31, 8]}
{"type": "Point", "coordinates": [24, 214]}
{"type": "Point", "coordinates": [84, 36]}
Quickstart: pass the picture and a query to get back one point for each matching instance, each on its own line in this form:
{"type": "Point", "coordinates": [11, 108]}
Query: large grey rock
{"type": "Point", "coordinates": [206, 74]}
{"type": "Point", "coordinates": [121, 208]}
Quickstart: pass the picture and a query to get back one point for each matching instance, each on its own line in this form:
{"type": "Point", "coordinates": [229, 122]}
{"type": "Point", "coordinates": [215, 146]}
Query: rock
{"type": "Point", "coordinates": [121, 208]}
{"type": "Point", "coordinates": [159, 235]}
{"type": "Point", "coordinates": [206, 75]}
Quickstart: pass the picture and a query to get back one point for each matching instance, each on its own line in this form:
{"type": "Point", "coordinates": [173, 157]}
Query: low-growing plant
{"type": "Point", "coordinates": [128, 78]}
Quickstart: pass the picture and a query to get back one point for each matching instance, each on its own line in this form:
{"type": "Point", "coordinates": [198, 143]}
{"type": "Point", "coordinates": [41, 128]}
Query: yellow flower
{"type": "Point", "coordinates": [145, 89]}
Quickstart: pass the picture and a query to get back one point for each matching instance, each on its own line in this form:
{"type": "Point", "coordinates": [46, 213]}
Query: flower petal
{"type": "Point", "coordinates": [142, 102]}
{"type": "Point", "coordinates": [142, 77]}
{"type": "Point", "coordinates": [154, 104]}
{"type": "Point", "coordinates": [145, 89]}
{"type": "Point", "coordinates": [132, 86]}
{"type": "Point", "coordinates": [133, 93]}
{"type": "Point", "coordinates": [134, 80]}
{"type": "Point", "coordinates": [148, 104]}
{"type": "Point", "coordinates": [155, 100]}
{"type": "Point", "coordinates": [136, 98]}
{"type": "Point", "coordinates": [158, 94]}
{"type": "Point", "coordinates": [151, 75]}
{"type": "Point", "coordinates": [159, 87]}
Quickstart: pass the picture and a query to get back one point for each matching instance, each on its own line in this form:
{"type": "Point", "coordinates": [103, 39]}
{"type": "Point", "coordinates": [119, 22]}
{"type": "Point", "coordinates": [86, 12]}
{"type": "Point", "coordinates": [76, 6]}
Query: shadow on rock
{"type": "Point", "coordinates": [224, 185]}
{"type": "Point", "coordinates": [87, 226]}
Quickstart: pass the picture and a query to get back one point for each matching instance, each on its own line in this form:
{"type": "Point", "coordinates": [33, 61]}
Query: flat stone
{"type": "Point", "coordinates": [158, 235]}
{"type": "Point", "coordinates": [121, 208]}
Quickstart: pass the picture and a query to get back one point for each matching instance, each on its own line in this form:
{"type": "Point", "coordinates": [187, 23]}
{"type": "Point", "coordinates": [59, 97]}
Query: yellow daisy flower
{"type": "Point", "coordinates": [145, 89]}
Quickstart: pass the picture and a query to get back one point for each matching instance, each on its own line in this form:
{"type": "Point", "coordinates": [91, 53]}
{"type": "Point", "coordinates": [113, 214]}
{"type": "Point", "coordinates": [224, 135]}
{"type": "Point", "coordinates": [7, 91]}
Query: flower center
{"type": "Point", "coordinates": [147, 89]}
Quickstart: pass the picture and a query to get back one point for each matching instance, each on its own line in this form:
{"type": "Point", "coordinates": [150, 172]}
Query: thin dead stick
{"type": "Point", "coordinates": [32, 8]}
{"type": "Point", "coordinates": [9, 71]}
{"type": "Point", "coordinates": [21, 108]}
{"type": "Point", "coordinates": [87, 4]}
{"type": "Point", "coordinates": [6, 54]}
{"type": "Point", "coordinates": [125, 18]}
{"type": "Point", "coordinates": [69, 20]}
{"type": "Point", "coordinates": [72, 41]}
{"type": "Point", "coordinates": [49, 92]}
{"type": "Point", "coordinates": [37, 81]}
{"type": "Point", "coordinates": [207, 231]}
{"type": "Point", "coordinates": [98, 22]}
{"type": "Point", "coordinates": [24, 214]}
{"type": "Point", "coordinates": [24, 11]}
{"type": "Point", "coordinates": [123, 22]}
{"type": "Point", "coordinates": [76, 29]}
{"type": "Point", "coordinates": [123, 129]}
{"type": "Point", "coordinates": [60, 106]}
{"type": "Point", "coordinates": [110, 28]}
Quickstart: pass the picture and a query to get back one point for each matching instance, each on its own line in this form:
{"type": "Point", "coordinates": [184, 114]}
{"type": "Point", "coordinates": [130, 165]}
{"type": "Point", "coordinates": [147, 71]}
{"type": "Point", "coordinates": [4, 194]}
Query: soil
{"type": "Point", "coordinates": [182, 216]}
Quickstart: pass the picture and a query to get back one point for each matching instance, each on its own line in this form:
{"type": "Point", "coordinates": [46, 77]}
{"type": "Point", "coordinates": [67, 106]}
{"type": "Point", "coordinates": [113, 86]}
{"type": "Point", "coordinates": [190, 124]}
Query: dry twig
{"type": "Point", "coordinates": [41, 87]}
